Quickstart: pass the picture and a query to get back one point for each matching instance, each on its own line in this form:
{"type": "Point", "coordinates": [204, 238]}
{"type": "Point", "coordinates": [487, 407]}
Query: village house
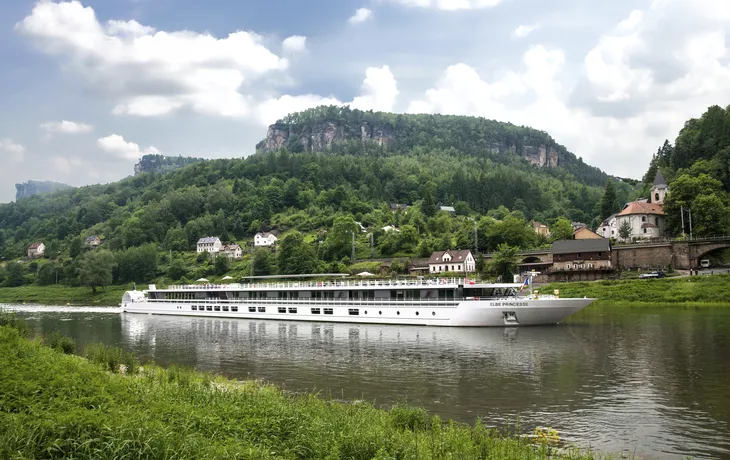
{"type": "Point", "coordinates": [540, 228]}
{"type": "Point", "coordinates": [581, 254]}
{"type": "Point", "coordinates": [93, 241]}
{"type": "Point", "coordinates": [209, 244]}
{"type": "Point", "coordinates": [452, 261]}
{"type": "Point", "coordinates": [449, 209]}
{"type": "Point", "coordinates": [390, 228]}
{"type": "Point", "coordinates": [584, 233]}
{"type": "Point", "coordinates": [608, 228]}
{"type": "Point", "coordinates": [396, 206]}
{"type": "Point", "coordinates": [645, 217]}
{"type": "Point", "coordinates": [232, 251]}
{"type": "Point", "coordinates": [36, 250]}
{"type": "Point", "coordinates": [263, 239]}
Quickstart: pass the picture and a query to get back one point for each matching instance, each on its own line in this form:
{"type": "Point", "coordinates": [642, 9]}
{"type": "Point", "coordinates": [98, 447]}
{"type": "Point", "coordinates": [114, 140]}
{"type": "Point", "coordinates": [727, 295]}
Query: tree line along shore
{"type": "Point", "coordinates": [55, 404]}
{"type": "Point", "coordinates": [694, 290]}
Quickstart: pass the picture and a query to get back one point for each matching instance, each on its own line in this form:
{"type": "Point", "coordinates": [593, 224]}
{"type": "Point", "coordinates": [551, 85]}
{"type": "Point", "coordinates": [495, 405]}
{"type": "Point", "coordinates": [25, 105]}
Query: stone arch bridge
{"type": "Point", "coordinates": [682, 254]}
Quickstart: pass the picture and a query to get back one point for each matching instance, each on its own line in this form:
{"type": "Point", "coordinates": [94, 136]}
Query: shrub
{"type": "Point", "coordinates": [408, 417]}
{"type": "Point", "coordinates": [112, 358]}
{"type": "Point", "coordinates": [8, 318]}
{"type": "Point", "coordinates": [60, 343]}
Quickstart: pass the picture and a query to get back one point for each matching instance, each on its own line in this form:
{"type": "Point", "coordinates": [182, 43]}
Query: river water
{"type": "Point", "coordinates": [654, 383]}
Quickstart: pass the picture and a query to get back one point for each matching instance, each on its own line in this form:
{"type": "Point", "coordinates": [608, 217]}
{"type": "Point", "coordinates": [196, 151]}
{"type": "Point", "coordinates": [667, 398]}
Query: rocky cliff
{"type": "Point", "coordinates": [34, 187]}
{"type": "Point", "coordinates": [162, 164]}
{"type": "Point", "coordinates": [325, 128]}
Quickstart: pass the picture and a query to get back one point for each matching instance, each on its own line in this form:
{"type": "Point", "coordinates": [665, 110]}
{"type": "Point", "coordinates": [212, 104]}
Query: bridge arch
{"type": "Point", "coordinates": [699, 251]}
{"type": "Point", "coordinates": [531, 260]}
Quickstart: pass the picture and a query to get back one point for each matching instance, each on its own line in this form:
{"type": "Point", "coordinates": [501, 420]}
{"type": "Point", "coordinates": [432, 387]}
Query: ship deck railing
{"type": "Point", "coordinates": [432, 283]}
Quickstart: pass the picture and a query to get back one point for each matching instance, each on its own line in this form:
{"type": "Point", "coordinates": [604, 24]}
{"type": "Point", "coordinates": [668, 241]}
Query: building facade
{"type": "Point", "coordinates": [645, 218]}
{"type": "Point", "coordinates": [93, 241]}
{"type": "Point", "coordinates": [452, 261]}
{"type": "Point", "coordinates": [588, 254]}
{"type": "Point", "coordinates": [36, 250]}
{"type": "Point", "coordinates": [232, 251]}
{"type": "Point", "coordinates": [609, 227]}
{"type": "Point", "coordinates": [541, 229]}
{"type": "Point", "coordinates": [584, 233]}
{"type": "Point", "coordinates": [263, 239]}
{"type": "Point", "coordinates": [209, 244]}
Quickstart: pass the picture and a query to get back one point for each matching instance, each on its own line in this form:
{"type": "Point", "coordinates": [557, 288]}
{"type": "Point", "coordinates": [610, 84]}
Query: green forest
{"type": "Point", "coordinates": [697, 169]}
{"type": "Point", "coordinates": [317, 201]}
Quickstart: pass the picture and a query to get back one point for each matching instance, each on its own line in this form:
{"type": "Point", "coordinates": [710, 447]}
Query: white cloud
{"type": "Point", "coordinates": [66, 165]}
{"type": "Point", "coordinates": [116, 145]}
{"type": "Point", "coordinates": [449, 5]}
{"type": "Point", "coordinates": [153, 73]}
{"type": "Point", "coordinates": [379, 90]}
{"type": "Point", "coordinates": [10, 150]}
{"type": "Point", "coordinates": [294, 44]}
{"type": "Point", "coordinates": [361, 15]}
{"type": "Point", "coordinates": [66, 127]}
{"type": "Point", "coordinates": [523, 31]}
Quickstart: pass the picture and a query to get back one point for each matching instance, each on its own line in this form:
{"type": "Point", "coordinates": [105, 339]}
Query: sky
{"type": "Point", "coordinates": [88, 87]}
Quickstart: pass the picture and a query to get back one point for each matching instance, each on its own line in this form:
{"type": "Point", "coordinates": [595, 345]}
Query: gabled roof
{"type": "Point", "coordinates": [231, 247]}
{"type": "Point", "coordinates": [456, 256]}
{"type": "Point", "coordinates": [573, 246]}
{"type": "Point", "coordinates": [536, 224]}
{"type": "Point", "coordinates": [608, 220]}
{"type": "Point", "coordinates": [640, 207]}
{"type": "Point", "coordinates": [448, 208]}
{"type": "Point", "coordinates": [265, 234]}
{"type": "Point", "coordinates": [209, 240]}
{"type": "Point", "coordinates": [659, 179]}
{"type": "Point", "coordinates": [35, 245]}
{"type": "Point", "coordinates": [91, 238]}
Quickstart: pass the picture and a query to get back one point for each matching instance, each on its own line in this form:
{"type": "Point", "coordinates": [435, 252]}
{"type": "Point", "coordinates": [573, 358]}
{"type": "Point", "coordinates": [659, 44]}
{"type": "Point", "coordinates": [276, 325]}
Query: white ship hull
{"type": "Point", "coordinates": [497, 312]}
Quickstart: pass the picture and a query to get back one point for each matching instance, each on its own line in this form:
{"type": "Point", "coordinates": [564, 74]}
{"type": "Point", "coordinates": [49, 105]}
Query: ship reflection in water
{"type": "Point", "coordinates": [616, 391]}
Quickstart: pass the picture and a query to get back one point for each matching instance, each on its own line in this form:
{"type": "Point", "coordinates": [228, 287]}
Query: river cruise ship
{"type": "Point", "coordinates": [427, 302]}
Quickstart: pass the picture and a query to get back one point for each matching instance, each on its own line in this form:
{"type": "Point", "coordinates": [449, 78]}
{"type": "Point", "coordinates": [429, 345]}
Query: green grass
{"type": "Point", "coordinates": [63, 295]}
{"type": "Point", "coordinates": [54, 405]}
{"type": "Point", "coordinates": [689, 291]}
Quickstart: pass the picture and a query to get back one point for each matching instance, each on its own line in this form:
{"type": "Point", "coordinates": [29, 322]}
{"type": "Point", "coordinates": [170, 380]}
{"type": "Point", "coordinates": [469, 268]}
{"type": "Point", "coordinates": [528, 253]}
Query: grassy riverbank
{"type": "Point", "coordinates": [62, 406]}
{"type": "Point", "coordinates": [62, 295]}
{"type": "Point", "coordinates": [688, 291]}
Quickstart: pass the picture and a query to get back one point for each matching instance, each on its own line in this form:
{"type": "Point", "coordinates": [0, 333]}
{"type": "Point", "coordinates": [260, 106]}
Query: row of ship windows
{"type": "Point", "coordinates": [314, 311]}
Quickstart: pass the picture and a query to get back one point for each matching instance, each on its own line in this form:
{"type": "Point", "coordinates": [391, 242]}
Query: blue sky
{"type": "Point", "coordinates": [88, 87]}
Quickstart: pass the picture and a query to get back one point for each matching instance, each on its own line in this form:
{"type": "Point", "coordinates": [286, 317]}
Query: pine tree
{"type": "Point", "coordinates": [609, 202]}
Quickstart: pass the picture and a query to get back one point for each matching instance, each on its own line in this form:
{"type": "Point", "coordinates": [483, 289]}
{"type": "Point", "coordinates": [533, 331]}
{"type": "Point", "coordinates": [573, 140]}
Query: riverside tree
{"type": "Point", "coordinates": [562, 229]}
{"type": "Point", "coordinates": [95, 269]}
{"type": "Point", "coordinates": [295, 255]}
{"type": "Point", "coordinates": [504, 261]}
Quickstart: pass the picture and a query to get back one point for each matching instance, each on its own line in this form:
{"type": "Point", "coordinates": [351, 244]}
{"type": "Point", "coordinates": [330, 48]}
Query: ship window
{"type": "Point", "coordinates": [433, 313]}
{"type": "Point", "coordinates": [193, 307]}
{"type": "Point", "coordinates": [380, 312]}
{"type": "Point", "coordinates": [225, 307]}
{"type": "Point", "coordinates": [252, 309]}
{"type": "Point", "coordinates": [354, 311]}
{"type": "Point", "coordinates": [316, 311]}
{"type": "Point", "coordinates": [328, 311]}
{"type": "Point", "coordinates": [217, 308]}
{"type": "Point", "coordinates": [416, 313]}
{"type": "Point", "coordinates": [282, 309]}
{"type": "Point", "coordinates": [398, 312]}
{"type": "Point", "coordinates": [366, 312]}
{"type": "Point", "coordinates": [234, 308]}
{"type": "Point", "coordinates": [209, 307]}
{"type": "Point", "coordinates": [262, 309]}
{"type": "Point", "coordinates": [292, 309]}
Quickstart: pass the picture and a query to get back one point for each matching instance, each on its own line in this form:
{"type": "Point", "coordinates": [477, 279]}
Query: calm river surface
{"type": "Point", "coordinates": [651, 382]}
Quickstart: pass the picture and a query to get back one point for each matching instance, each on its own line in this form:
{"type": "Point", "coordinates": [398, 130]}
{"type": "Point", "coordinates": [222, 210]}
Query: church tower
{"type": "Point", "coordinates": [659, 190]}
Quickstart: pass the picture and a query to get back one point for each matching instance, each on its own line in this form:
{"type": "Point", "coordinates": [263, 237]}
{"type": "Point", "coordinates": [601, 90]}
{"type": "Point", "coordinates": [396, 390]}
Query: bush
{"type": "Point", "coordinates": [60, 343]}
{"type": "Point", "coordinates": [112, 358]}
{"type": "Point", "coordinates": [408, 417]}
{"type": "Point", "coordinates": [8, 318]}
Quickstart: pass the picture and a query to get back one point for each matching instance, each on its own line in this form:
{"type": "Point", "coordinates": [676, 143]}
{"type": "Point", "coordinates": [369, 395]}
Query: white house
{"type": "Point", "coordinates": [448, 209]}
{"type": "Point", "coordinates": [264, 239]}
{"type": "Point", "coordinates": [451, 261]}
{"type": "Point", "coordinates": [646, 217]}
{"type": "Point", "coordinates": [232, 251]}
{"type": "Point", "coordinates": [209, 244]}
{"type": "Point", "coordinates": [390, 228]}
{"type": "Point", "coordinates": [36, 250]}
{"type": "Point", "coordinates": [609, 227]}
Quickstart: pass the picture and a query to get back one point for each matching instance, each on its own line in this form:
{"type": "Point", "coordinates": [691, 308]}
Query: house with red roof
{"type": "Point", "coordinates": [645, 217]}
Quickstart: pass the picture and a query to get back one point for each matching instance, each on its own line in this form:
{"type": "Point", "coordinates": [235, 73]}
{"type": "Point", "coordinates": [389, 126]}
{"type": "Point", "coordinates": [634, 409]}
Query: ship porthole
{"type": "Point", "coordinates": [380, 312]}
{"type": "Point", "coordinates": [416, 313]}
{"type": "Point", "coordinates": [433, 313]}
{"type": "Point", "coordinates": [398, 312]}
{"type": "Point", "coordinates": [366, 312]}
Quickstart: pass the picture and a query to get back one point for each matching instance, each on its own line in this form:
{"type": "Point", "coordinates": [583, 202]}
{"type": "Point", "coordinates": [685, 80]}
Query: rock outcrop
{"type": "Point", "coordinates": [162, 164]}
{"type": "Point", "coordinates": [34, 187]}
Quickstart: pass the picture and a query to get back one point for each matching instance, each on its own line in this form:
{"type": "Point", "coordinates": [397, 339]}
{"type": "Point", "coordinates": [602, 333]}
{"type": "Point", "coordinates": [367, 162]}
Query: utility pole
{"type": "Point", "coordinates": [690, 223]}
{"type": "Point", "coordinates": [372, 246]}
{"type": "Point", "coordinates": [476, 238]}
